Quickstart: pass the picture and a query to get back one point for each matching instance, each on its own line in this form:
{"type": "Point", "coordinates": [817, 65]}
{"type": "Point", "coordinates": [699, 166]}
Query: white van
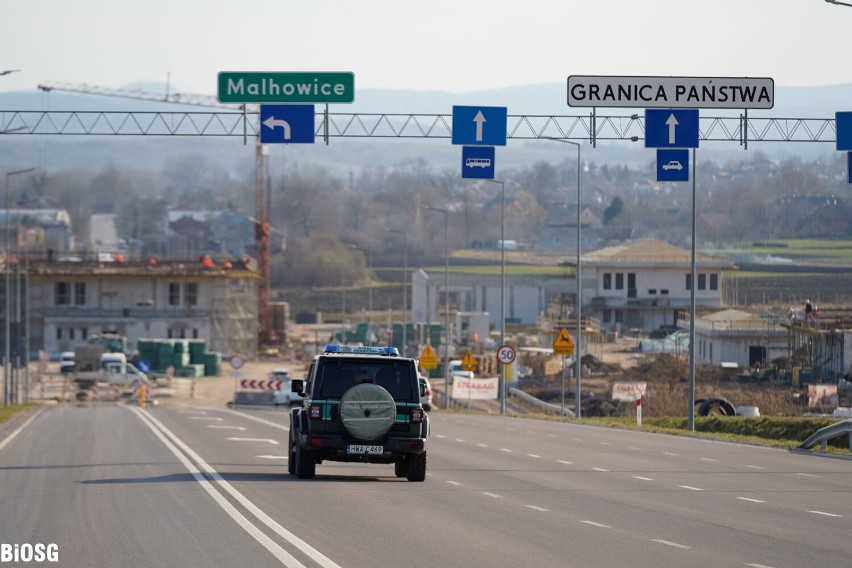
{"type": "Point", "coordinates": [118, 371]}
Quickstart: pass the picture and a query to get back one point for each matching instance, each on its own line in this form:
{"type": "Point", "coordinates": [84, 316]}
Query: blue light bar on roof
{"type": "Point", "coordinates": [389, 351]}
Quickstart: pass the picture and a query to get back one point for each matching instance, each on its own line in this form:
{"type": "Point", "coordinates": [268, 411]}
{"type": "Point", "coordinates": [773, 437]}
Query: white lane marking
{"type": "Point", "coordinates": [825, 514]}
{"type": "Point", "coordinates": [192, 412]}
{"type": "Point", "coordinates": [506, 450]}
{"type": "Point", "coordinates": [577, 439]}
{"type": "Point", "coordinates": [690, 488]}
{"type": "Point", "coordinates": [530, 432]}
{"type": "Point", "coordinates": [807, 475]}
{"type": "Point", "coordinates": [707, 459]}
{"type": "Point", "coordinates": [542, 509]}
{"type": "Point", "coordinates": [215, 419]}
{"type": "Point", "coordinates": [440, 436]}
{"type": "Point", "coordinates": [8, 438]}
{"type": "Point", "coordinates": [534, 455]}
{"type": "Point", "coordinates": [758, 566]}
{"type": "Point", "coordinates": [277, 551]}
{"type": "Point", "coordinates": [565, 462]}
{"type": "Point", "coordinates": [490, 494]}
{"type": "Point", "coordinates": [226, 427]}
{"type": "Point", "coordinates": [639, 477]}
{"type": "Point", "coordinates": [754, 467]}
{"type": "Point", "coordinates": [460, 440]}
{"type": "Point", "coordinates": [267, 440]}
{"type": "Point", "coordinates": [273, 457]}
{"type": "Point", "coordinates": [605, 444]}
{"type": "Point", "coordinates": [672, 544]}
{"type": "Point", "coordinates": [599, 469]}
{"type": "Point", "coordinates": [257, 419]}
{"type": "Point", "coordinates": [456, 483]}
{"type": "Point", "coordinates": [594, 524]}
{"type": "Point", "coordinates": [482, 445]}
{"type": "Point", "coordinates": [669, 454]}
{"type": "Point", "coordinates": [634, 448]}
{"type": "Point", "coordinates": [551, 435]}
{"type": "Point", "coordinates": [750, 500]}
{"type": "Point", "coordinates": [307, 549]}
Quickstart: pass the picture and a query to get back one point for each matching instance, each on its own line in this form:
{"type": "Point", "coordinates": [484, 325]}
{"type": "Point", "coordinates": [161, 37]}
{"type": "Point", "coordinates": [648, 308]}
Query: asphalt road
{"type": "Point", "coordinates": [177, 485]}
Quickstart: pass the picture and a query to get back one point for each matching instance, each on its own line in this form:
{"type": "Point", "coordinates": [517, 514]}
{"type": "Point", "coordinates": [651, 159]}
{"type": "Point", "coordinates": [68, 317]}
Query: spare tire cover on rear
{"type": "Point", "coordinates": [367, 411]}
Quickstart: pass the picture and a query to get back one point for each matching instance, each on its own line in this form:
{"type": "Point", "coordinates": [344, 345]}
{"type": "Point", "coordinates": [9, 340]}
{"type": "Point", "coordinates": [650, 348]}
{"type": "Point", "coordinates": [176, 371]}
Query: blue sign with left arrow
{"type": "Point", "coordinates": [479, 126]}
{"type": "Point", "coordinates": [671, 128]}
{"type": "Point", "coordinates": [287, 124]}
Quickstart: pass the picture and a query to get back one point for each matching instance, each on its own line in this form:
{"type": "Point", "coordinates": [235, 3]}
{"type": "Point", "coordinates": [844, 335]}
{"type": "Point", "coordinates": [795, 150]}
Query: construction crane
{"type": "Point", "coordinates": [262, 229]}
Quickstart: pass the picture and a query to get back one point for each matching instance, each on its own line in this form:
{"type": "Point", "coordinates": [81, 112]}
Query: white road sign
{"type": "Point", "coordinates": [671, 92]}
{"type": "Point", "coordinates": [506, 354]}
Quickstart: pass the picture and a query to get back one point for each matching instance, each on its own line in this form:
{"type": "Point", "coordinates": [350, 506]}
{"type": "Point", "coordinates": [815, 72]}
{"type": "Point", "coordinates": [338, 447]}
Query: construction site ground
{"type": "Point", "coordinates": [218, 391]}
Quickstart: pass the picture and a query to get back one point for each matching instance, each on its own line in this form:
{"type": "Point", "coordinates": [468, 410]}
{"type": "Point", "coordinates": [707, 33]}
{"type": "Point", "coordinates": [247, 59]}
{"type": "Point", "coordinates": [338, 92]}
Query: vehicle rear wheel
{"type": "Point", "coordinates": [400, 468]}
{"type": "Point", "coordinates": [306, 463]}
{"type": "Point", "coordinates": [291, 459]}
{"type": "Point", "coordinates": [416, 467]}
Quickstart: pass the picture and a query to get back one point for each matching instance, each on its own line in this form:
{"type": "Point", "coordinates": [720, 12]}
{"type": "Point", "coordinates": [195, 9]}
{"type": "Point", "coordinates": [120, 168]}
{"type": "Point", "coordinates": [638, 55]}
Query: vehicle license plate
{"type": "Point", "coordinates": [362, 449]}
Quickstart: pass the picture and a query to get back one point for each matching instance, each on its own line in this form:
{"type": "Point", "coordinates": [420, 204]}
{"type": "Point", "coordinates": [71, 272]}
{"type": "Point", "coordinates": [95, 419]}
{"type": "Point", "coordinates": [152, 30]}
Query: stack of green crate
{"type": "Point", "coordinates": [189, 357]}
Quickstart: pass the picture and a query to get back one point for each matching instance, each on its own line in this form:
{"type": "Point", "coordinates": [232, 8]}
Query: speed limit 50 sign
{"type": "Point", "coordinates": [506, 354]}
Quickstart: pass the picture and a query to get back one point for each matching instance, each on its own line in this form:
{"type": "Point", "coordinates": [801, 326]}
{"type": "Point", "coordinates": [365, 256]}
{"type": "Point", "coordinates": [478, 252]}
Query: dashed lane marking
{"type": "Point", "coordinates": [750, 500]}
{"type": "Point", "coordinates": [672, 544]}
{"type": "Point", "coordinates": [535, 508]}
{"type": "Point", "coordinates": [594, 524]}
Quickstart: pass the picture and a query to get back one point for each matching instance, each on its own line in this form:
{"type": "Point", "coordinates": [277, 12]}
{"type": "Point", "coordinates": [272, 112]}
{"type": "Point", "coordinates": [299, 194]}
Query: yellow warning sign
{"type": "Point", "coordinates": [468, 362]}
{"type": "Point", "coordinates": [428, 360]}
{"type": "Point", "coordinates": [563, 344]}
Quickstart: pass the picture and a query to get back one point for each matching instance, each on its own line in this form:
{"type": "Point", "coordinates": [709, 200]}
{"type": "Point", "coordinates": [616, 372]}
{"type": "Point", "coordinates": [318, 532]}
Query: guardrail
{"type": "Point", "coordinates": [546, 406]}
{"type": "Point", "coordinates": [823, 435]}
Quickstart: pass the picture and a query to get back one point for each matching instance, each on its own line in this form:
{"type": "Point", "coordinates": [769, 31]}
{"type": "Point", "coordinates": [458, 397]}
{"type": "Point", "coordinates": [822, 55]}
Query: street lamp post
{"type": "Point", "coordinates": [404, 287]}
{"type": "Point", "coordinates": [578, 340]}
{"type": "Point", "coordinates": [503, 385]}
{"type": "Point", "coordinates": [7, 400]}
{"type": "Point", "coordinates": [446, 300]}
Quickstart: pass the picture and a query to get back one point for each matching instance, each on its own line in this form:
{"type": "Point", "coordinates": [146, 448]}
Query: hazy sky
{"type": "Point", "coordinates": [456, 46]}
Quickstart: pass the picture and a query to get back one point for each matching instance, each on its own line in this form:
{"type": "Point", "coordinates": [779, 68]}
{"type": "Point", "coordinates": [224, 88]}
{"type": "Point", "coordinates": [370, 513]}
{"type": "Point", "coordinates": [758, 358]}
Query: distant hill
{"type": "Point", "coordinates": [344, 154]}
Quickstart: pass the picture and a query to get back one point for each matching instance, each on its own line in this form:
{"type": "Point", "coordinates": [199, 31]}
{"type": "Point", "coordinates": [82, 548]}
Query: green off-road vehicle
{"type": "Point", "coordinates": [361, 404]}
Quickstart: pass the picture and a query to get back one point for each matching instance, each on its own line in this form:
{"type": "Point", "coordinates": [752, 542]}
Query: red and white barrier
{"type": "Point", "coordinates": [261, 385]}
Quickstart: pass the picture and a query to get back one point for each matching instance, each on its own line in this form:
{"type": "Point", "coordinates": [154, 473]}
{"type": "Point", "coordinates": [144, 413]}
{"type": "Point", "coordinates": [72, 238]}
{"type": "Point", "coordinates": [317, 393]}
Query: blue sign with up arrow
{"type": "Point", "coordinates": [479, 126]}
{"type": "Point", "coordinates": [671, 128]}
{"type": "Point", "coordinates": [287, 124]}
{"type": "Point", "coordinates": [843, 120]}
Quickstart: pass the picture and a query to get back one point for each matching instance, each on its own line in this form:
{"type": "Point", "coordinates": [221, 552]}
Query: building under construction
{"type": "Point", "coordinates": [820, 344]}
{"type": "Point", "coordinates": [57, 305]}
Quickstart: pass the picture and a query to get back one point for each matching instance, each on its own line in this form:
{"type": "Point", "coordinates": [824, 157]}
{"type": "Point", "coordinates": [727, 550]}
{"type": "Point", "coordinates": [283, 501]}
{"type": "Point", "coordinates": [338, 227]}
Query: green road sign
{"type": "Point", "coordinates": [273, 87]}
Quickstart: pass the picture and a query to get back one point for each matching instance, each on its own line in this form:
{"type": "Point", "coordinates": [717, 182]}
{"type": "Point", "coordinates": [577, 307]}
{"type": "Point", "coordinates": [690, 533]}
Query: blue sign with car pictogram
{"type": "Point", "coordinates": [672, 165]}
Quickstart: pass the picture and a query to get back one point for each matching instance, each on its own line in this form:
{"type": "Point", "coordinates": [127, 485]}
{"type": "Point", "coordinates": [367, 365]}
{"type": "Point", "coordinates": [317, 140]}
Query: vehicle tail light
{"type": "Point", "coordinates": [417, 415]}
{"type": "Point", "coordinates": [316, 442]}
{"type": "Point", "coordinates": [315, 412]}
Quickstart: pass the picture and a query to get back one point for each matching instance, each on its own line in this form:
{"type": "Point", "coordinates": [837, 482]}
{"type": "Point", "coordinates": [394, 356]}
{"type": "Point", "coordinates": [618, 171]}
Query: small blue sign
{"type": "Point", "coordinates": [672, 165]}
{"type": "Point", "coordinates": [843, 121]}
{"type": "Point", "coordinates": [478, 162]}
{"type": "Point", "coordinates": [144, 365]}
{"type": "Point", "coordinates": [479, 126]}
{"type": "Point", "coordinates": [671, 128]}
{"type": "Point", "coordinates": [287, 124]}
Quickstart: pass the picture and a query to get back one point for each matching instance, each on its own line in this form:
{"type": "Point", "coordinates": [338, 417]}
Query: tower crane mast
{"type": "Point", "coordinates": [262, 184]}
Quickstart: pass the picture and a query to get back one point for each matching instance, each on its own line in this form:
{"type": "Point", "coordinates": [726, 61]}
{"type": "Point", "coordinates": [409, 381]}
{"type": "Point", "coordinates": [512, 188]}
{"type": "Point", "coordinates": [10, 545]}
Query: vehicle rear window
{"type": "Point", "coordinates": [339, 376]}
